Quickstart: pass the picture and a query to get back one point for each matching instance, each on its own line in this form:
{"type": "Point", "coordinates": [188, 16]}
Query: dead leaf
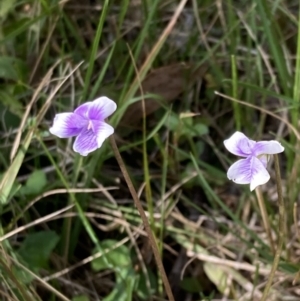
{"type": "Point", "coordinates": [168, 83]}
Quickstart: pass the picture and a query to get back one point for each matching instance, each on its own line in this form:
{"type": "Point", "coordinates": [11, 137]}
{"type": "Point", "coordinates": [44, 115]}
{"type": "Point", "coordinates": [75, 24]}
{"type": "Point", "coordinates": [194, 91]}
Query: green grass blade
{"type": "Point", "coordinates": [94, 50]}
{"type": "Point", "coordinates": [274, 37]}
{"type": "Point", "coordinates": [236, 108]}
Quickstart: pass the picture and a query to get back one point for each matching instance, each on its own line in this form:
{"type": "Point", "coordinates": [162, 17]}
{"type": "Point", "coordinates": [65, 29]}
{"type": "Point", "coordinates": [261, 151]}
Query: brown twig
{"type": "Point", "coordinates": [144, 218]}
{"type": "Point", "coordinates": [280, 230]}
{"type": "Point", "coordinates": [264, 216]}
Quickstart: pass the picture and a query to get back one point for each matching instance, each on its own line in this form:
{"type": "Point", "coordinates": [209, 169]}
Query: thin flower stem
{"type": "Point", "coordinates": [144, 218]}
{"type": "Point", "coordinates": [265, 218]}
{"type": "Point", "coordinates": [280, 230]}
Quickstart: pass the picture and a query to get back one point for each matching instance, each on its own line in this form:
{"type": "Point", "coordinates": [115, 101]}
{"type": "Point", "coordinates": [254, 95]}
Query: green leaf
{"type": "Point", "coordinates": [37, 247]}
{"type": "Point", "coordinates": [191, 285]}
{"type": "Point", "coordinates": [185, 126]}
{"type": "Point", "coordinates": [200, 129]}
{"type": "Point", "coordinates": [8, 68]}
{"type": "Point", "coordinates": [5, 7]}
{"type": "Point", "coordinates": [34, 253]}
{"type": "Point", "coordinates": [10, 120]}
{"type": "Point", "coordinates": [10, 103]}
{"type": "Point", "coordinates": [172, 122]}
{"type": "Point", "coordinates": [119, 257]}
{"type": "Point", "coordinates": [10, 175]}
{"type": "Point", "coordinates": [187, 121]}
{"type": "Point", "coordinates": [81, 298]}
{"type": "Point", "coordinates": [216, 275]}
{"type": "Point", "coordinates": [124, 287]}
{"type": "Point", "coordinates": [35, 183]}
{"type": "Point", "coordinates": [142, 289]}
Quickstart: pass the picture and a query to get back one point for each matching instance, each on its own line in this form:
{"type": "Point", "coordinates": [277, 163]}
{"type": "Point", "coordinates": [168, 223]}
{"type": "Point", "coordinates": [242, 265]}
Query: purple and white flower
{"type": "Point", "coordinates": [87, 124]}
{"type": "Point", "coordinates": [251, 170]}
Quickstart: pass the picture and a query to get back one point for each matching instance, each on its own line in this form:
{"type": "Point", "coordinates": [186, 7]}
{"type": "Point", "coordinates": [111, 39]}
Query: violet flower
{"type": "Point", "coordinates": [251, 170]}
{"type": "Point", "coordinates": [87, 124]}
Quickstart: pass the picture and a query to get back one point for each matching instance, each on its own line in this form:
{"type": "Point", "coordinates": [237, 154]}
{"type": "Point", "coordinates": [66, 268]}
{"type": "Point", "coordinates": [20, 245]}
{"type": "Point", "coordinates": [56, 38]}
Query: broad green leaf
{"type": "Point", "coordinates": [10, 103]}
{"type": "Point", "coordinates": [188, 121]}
{"type": "Point", "coordinates": [35, 183]}
{"type": "Point", "coordinates": [81, 298]}
{"type": "Point", "coordinates": [34, 253]}
{"type": "Point", "coordinates": [5, 7]}
{"type": "Point", "coordinates": [8, 68]}
{"type": "Point", "coordinates": [37, 247]}
{"type": "Point", "coordinates": [9, 177]}
{"type": "Point", "coordinates": [200, 129]}
{"type": "Point", "coordinates": [191, 285]}
{"type": "Point", "coordinates": [10, 120]}
{"type": "Point", "coordinates": [216, 275]}
{"type": "Point", "coordinates": [119, 257]}
{"type": "Point", "coordinates": [125, 284]}
{"type": "Point", "coordinates": [142, 289]}
{"type": "Point", "coordinates": [185, 126]}
{"type": "Point", "coordinates": [173, 122]}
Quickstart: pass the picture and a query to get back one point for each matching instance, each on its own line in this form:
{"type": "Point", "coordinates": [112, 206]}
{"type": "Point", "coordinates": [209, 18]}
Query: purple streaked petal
{"type": "Point", "coordinates": [248, 171]}
{"type": "Point", "coordinates": [102, 130]}
{"type": "Point", "coordinates": [67, 125]}
{"type": "Point", "coordinates": [92, 137]}
{"type": "Point", "coordinates": [239, 144]}
{"type": "Point", "coordinates": [267, 148]}
{"type": "Point", "coordinates": [83, 110]}
{"type": "Point", "coordinates": [85, 142]}
{"type": "Point", "coordinates": [260, 175]}
{"type": "Point", "coordinates": [101, 108]}
{"type": "Point", "coordinates": [239, 172]}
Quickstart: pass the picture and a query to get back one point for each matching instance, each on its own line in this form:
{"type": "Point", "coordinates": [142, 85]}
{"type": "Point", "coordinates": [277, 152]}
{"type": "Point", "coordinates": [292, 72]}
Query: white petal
{"type": "Point", "coordinates": [92, 137]}
{"type": "Point", "coordinates": [260, 175]}
{"type": "Point", "coordinates": [239, 172]}
{"type": "Point", "coordinates": [264, 159]}
{"type": "Point", "coordinates": [83, 109]}
{"type": "Point", "coordinates": [248, 171]}
{"type": "Point", "coordinates": [239, 144]}
{"type": "Point", "coordinates": [102, 130]}
{"type": "Point", "coordinates": [101, 108]}
{"type": "Point", "coordinates": [267, 148]}
{"type": "Point", "coordinates": [85, 142]}
{"type": "Point", "coordinates": [67, 125]}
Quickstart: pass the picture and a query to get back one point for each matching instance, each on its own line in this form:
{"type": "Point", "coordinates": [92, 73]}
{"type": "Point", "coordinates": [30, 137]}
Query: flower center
{"type": "Point", "coordinates": [90, 125]}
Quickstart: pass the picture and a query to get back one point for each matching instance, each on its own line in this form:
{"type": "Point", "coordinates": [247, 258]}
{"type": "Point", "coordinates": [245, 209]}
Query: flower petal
{"type": "Point", "coordinates": [239, 144]}
{"type": "Point", "coordinates": [102, 130]}
{"type": "Point", "coordinates": [92, 137]}
{"type": "Point", "coordinates": [67, 125]}
{"type": "Point", "coordinates": [85, 142]}
{"type": "Point", "coordinates": [101, 108]}
{"type": "Point", "coordinates": [239, 172]}
{"type": "Point", "coordinates": [248, 171]}
{"type": "Point", "coordinates": [264, 159]}
{"type": "Point", "coordinates": [267, 148]}
{"type": "Point", "coordinates": [260, 175]}
{"type": "Point", "coordinates": [83, 109]}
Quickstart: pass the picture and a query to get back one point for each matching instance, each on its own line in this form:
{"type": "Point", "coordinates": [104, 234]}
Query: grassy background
{"type": "Point", "coordinates": [69, 229]}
